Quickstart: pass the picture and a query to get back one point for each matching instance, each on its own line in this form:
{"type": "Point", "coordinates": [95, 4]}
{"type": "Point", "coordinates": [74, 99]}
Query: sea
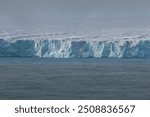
{"type": "Point", "coordinates": [74, 79]}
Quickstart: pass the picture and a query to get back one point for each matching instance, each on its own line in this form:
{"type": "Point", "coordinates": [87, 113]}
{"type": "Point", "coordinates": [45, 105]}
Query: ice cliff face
{"type": "Point", "coordinates": [75, 48]}
{"type": "Point", "coordinates": [109, 44]}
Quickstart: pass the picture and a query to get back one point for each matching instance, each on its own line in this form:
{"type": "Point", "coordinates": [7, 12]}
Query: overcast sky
{"type": "Point", "coordinates": [66, 12]}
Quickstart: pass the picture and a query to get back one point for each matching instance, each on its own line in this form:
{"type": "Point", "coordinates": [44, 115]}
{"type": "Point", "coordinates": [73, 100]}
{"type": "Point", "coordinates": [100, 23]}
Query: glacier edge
{"type": "Point", "coordinates": [75, 49]}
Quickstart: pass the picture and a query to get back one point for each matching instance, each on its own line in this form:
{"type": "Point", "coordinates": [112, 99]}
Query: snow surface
{"type": "Point", "coordinates": [80, 44]}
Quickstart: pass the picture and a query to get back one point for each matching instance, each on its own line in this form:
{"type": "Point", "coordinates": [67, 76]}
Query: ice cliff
{"type": "Point", "coordinates": [26, 46]}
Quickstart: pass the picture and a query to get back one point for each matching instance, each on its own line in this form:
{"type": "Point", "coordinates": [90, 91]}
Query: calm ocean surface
{"type": "Point", "coordinates": [91, 78]}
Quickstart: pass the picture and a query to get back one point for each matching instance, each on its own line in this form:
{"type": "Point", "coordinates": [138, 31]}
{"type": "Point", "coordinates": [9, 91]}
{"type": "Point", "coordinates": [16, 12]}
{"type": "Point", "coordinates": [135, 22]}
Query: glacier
{"type": "Point", "coordinates": [73, 47]}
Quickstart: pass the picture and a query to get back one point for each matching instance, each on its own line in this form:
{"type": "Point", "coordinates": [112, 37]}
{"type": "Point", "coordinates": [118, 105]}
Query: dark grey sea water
{"type": "Point", "coordinates": [91, 78]}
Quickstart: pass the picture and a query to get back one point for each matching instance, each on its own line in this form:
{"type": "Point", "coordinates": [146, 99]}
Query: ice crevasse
{"type": "Point", "coordinates": [137, 48]}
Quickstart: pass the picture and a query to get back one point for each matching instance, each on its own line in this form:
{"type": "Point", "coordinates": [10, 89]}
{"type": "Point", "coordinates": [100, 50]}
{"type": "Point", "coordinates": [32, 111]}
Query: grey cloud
{"type": "Point", "coordinates": [73, 11]}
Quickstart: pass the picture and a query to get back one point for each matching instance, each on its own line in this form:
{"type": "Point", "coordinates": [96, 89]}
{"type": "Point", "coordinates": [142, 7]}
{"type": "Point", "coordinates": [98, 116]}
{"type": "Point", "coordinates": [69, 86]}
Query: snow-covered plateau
{"type": "Point", "coordinates": [75, 45]}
